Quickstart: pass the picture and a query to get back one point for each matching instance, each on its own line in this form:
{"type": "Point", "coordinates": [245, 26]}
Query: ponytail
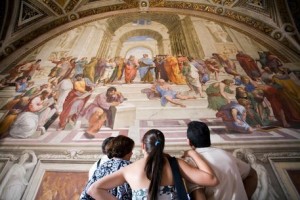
{"type": "Point", "coordinates": [154, 142]}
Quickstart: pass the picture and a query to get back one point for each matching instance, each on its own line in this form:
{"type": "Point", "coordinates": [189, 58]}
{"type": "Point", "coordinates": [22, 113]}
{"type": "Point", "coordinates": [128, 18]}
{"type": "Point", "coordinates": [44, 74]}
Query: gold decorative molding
{"type": "Point", "coordinates": [103, 9]}
{"type": "Point", "coordinates": [70, 6]}
{"type": "Point", "coordinates": [152, 3]}
{"type": "Point", "coordinates": [212, 9]}
{"type": "Point", "coordinates": [224, 2]}
{"type": "Point", "coordinates": [258, 25]}
{"type": "Point", "coordinates": [53, 6]}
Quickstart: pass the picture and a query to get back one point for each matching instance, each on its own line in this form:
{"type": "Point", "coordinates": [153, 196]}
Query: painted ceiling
{"type": "Point", "coordinates": [22, 21]}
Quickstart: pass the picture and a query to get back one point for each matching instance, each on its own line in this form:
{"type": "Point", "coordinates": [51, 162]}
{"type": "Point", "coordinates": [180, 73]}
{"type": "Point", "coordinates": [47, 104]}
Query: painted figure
{"type": "Point", "coordinates": [39, 110]}
{"type": "Point", "coordinates": [192, 78]}
{"type": "Point", "coordinates": [234, 117]}
{"type": "Point", "coordinates": [173, 71]}
{"type": "Point", "coordinates": [89, 69]}
{"type": "Point", "coordinates": [74, 102]}
{"type": "Point", "coordinates": [229, 65]}
{"type": "Point", "coordinates": [168, 94]}
{"type": "Point", "coordinates": [217, 94]}
{"type": "Point", "coordinates": [131, 69]}
{"type": "Point", "coordinates": [146, 69]}
{"type": "Point", "coordinates": [248, 64]}
{"type": "Point", "coordinates": [102, 109]}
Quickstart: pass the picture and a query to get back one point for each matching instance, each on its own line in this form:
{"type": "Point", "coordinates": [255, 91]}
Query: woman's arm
{"type": "Point", "coordinates": [99, 189]}
{"type": "Point", "coordinates": [202, 174]}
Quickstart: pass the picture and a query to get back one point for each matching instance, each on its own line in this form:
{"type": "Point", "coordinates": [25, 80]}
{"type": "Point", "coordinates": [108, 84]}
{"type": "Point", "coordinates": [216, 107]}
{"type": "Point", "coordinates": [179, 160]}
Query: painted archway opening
{"type": "Point", "coordinates": [138, 52]}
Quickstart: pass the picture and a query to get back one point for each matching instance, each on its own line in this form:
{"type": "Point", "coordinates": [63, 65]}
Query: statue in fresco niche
{"type": "Point", "coordinates": [264, 189]}
{"type": "Point", "coordinates": [217, 31]}
{"type": "Point", "coordinates": [68, 39]}
{"type": "Point", "coordinates": [15, 182]}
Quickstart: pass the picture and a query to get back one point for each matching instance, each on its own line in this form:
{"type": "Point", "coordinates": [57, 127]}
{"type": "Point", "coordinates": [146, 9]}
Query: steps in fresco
{"type": "Point", "coordinates": [139, 107]}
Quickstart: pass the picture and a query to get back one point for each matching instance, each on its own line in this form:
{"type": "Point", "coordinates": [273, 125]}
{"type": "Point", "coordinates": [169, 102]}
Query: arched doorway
{"type": "Point", "coordinates": [138, 52]}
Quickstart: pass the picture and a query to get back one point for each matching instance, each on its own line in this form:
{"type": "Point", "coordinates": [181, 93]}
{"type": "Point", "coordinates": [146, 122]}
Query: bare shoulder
{"type": "Point", "coordinates": [136, 166]}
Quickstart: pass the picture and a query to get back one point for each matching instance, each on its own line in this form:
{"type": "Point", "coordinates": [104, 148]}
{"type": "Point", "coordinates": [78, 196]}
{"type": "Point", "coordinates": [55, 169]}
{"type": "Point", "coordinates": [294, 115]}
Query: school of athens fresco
{"type": "Point", "coordinates": [229, 72]}
{"type": "Point", "coordinates": [246, 89]}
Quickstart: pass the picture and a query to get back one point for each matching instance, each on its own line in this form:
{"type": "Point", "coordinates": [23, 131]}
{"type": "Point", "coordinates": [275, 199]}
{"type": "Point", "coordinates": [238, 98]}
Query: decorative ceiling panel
{"type": "Point", "coordinates": [71, 5]}
{"type": "Point", "coordinates": [273, 17]}
{"type": "Point", "coordinates": [28, 14]}
{"type": "Point", "coordinates": [263, 7]}
{"type": "Point", "coordinates": [54, 6]}
{"type": "Point", "coordinates": [62, 3]}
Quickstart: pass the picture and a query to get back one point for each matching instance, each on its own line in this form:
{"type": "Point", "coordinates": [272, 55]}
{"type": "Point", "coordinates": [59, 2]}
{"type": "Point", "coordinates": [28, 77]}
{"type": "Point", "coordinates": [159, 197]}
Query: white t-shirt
{"type": "Point", "coordinates": [230, 172]}
{"type": "Point", "coordinates": [94, 166]}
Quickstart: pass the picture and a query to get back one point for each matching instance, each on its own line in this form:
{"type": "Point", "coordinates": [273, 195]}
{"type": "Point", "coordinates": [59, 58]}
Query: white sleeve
{"type": "Point", "coordinates": [92, 170]}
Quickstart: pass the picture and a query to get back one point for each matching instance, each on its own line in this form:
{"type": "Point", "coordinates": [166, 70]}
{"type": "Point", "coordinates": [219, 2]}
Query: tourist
{"type": "Point", "coordinates": [103, 159]}
{"type": "Point", "coordinates": [119, 150]}
{"type": "Point", "coordinates": [237, 179]}
{"type": "Point", "coordinates": [151, 177]}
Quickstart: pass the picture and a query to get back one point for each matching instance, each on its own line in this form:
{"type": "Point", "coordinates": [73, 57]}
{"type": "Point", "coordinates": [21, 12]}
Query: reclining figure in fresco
{"type": "Point", "coordinates": [167, 94]}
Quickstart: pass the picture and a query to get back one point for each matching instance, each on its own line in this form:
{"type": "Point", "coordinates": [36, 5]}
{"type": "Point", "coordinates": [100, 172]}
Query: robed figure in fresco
{"type": "Point", "coordinates": [89, 69]}
{"type": "Point", "coordinates": [146, 69]}
{"type": "Point", "coordinates": [74, 102]}
{"type": "Point", "coordinates": [130, 69]}
{"type": "Point", "coordinates": [217, 94]}
{"type": "Point", "coordinates": [228, 64]}
{"type": "Point", "coordinates": [248, 64]}
{"type": "Point", "coordinates": [102, 109]}
{"type": "Point", "coordinates": [173, 70]}
{"type": "Point", "coordinates": [234, 117]}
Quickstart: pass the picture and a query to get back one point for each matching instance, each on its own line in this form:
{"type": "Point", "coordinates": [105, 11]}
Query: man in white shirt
{"type": "Point", "coordinates": [238, 180]}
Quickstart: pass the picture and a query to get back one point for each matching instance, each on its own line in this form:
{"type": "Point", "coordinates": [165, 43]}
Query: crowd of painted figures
{"type": "Point", "coordinates": [262, 90]}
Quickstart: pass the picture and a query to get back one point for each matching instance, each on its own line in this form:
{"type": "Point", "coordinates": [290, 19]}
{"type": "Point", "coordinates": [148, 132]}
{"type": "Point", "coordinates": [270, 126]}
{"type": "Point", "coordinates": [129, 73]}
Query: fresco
{"type": "Point", "coordinates": [52, 182]}
{"type": "Point", "coordinates": [78, 80]}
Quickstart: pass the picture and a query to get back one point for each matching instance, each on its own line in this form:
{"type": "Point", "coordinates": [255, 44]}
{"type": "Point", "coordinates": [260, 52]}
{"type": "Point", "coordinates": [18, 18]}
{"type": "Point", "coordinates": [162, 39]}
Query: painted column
{"type": "Point", "coordinates": [81, 48]}
{"type": "Point", "coordinates": [205, 37]}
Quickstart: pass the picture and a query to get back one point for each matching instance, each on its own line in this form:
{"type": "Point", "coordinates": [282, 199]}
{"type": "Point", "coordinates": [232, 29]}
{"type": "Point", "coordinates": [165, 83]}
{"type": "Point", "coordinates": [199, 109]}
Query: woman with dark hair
{"type": "Point", "coordinates": [151, 177]}
{"type": "Point", "coordinates": [119, 152]}
{"type": "Point", "coordinates": [103, 159]}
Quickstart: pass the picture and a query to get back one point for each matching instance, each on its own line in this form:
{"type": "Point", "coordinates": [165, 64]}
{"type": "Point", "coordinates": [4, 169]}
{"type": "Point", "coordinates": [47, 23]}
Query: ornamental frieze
{"type": "Point", "coordinates": [258, 25]}
{"type": "Point", "coordinates": [249, 21]}
{"type": "Point", "coordinates": [71, 5]}
{"type": "Point", "coordinates": [53, 6]}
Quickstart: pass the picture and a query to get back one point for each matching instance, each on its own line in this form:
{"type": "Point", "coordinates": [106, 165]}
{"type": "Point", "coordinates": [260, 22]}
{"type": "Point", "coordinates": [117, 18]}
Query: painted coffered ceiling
{"type": "Point", "coordinates": [23, 21]}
